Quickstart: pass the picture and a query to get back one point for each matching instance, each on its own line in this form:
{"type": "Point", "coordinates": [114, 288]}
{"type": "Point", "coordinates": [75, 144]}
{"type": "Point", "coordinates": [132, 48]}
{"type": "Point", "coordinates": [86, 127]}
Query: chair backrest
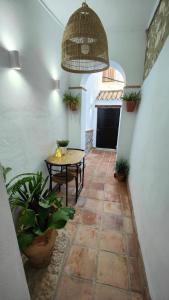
{"type": "Point", "coordinates": [52, 169]}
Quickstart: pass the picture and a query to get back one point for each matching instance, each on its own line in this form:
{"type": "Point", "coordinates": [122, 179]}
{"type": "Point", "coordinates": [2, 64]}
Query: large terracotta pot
{"type": "Point", "coordinates": [40, 251]}
{"type": "Point", "coordinates": [130, 106]}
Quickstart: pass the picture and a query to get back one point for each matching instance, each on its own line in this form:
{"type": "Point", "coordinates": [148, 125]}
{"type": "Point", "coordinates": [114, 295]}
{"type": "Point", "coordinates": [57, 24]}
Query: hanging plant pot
{"type": "Point", "coordinates": [40, 251]}
{"type": "Point", "coordinates": [131, 106]}
{"type": "Point", "coordinates": [120, 176]}
{"type": "Point", "coordinates": [73, 106]}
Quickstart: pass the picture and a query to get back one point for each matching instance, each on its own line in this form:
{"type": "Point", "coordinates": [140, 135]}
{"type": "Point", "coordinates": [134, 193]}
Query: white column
{"type": "Point", "coordinates": [13, 285]}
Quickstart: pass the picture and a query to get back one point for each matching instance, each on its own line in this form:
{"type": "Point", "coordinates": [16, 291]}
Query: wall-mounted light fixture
{"type": "Point", "coordinates": [56, 84]}
{"type": "Point", "coordinates": [14, 60]}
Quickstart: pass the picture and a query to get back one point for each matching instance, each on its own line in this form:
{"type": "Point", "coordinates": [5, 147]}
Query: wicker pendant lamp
{"type": "Point", "coordinates": [84, 45]}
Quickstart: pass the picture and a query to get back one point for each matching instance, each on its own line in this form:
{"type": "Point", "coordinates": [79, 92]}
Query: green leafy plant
{"type": "Point", "coordinates": [131, 96]}
{"type": "Point", "coordinates": [122, 167]}
{"type": "Point", "coordinates": [39, 209]}
{"type": "Point", "coordinates": [62, 143]}
{"type": "Point", "coordinates": [72, 101]}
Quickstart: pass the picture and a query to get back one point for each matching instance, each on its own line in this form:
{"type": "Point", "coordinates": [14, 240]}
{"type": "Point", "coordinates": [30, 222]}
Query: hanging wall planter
{"type": "Point", "coordinates": [72, 102]}
{"type": "Point", "coordinates": [131, 99]}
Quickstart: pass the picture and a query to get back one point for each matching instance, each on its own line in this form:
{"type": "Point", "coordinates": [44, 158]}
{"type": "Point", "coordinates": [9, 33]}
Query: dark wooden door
{"type": "Point", "coordinates": [107, 127]}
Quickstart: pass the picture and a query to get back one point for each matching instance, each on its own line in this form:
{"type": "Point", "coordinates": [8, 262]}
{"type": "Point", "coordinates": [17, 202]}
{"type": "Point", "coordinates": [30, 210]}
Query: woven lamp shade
{"type": "Point", "coordinates": [84, 45]}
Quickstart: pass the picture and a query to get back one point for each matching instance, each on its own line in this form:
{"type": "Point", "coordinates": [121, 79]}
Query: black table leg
{"type": "Point", "coordinates": [77, 181]}
{"type": "Point", "coordinates": [83, 172]}
{"type": "Point", "coordinates": [66, 187]}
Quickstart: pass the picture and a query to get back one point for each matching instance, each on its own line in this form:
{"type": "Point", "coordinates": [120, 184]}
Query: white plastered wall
{"type": "Point", "coordinates": [149, 176]}
{"type": "Point", "coordinates": [32, 114]}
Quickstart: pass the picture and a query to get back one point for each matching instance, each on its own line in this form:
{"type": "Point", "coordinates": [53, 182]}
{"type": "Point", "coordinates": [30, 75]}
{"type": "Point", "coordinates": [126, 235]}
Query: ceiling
{"type": "Point", "coordinates": [114, 14]}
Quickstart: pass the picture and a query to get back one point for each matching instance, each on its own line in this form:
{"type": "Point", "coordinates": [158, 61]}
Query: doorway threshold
{"type": "Point", "coordinates": [105, 149]}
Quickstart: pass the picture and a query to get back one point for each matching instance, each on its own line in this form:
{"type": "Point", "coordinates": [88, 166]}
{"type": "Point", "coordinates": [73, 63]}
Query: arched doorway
{"type": "Point", "coordinates": [101, 106]}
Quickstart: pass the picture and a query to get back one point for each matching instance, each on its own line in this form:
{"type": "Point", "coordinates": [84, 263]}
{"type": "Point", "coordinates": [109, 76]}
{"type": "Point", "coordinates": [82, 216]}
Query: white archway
{"type": "Point", "coordinates": [88, 111]}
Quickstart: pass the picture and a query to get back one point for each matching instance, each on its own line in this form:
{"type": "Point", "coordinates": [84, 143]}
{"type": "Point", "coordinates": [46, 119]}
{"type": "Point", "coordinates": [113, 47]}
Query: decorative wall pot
{"type": "Point", "coordinates": [130, 106]}
{"type": "Point", "coordinates": [73, 106]}
{"type": "Point", "coordinates": [120, 176]}
{"type": "Point", "coordinates": [40, 251]}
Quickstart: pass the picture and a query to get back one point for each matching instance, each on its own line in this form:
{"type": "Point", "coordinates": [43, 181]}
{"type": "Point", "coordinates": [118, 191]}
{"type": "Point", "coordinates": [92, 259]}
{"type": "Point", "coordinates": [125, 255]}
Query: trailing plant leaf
{"type": "Point", "coordinates": [131, 96]}
{"type": "Point", "coordinates": [59, 219]}
{"type": "Point", "coordinates": [26, 218]}
{"type": "Point", "coordinates": [25, 240]}
{"type": "Point", "coordinates": [69, 211]}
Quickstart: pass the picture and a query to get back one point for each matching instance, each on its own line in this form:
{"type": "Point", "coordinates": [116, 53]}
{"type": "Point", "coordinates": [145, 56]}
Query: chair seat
{"type": "Point", "coordinates": [61, 177]}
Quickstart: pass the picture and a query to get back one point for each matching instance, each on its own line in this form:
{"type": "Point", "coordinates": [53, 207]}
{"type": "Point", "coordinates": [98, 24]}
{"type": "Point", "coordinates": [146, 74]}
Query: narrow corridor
{"type": "Point", "coordinates": [103, 260]}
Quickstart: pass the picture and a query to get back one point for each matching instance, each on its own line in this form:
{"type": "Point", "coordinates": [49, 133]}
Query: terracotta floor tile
{"type": "Point", "coordinates": [86, 236]}
{"type": "Point", "coordinates": [128, 225]}
{"type": "Point", "coordinates": [112, 240]}
{"type": "Point", "coordinates": [112, 222]}
{"type": "Point", "coordinates": [94, 205]}
{"type": "Point", "coordinates": [74, 289]}
{"type": "Point", "coordinates": [81, 202]}
{"type": "Point", "coordinates": [136, 278]}
{"type": "Point", "coordinates": [103, 222]}
{"type": "Point", "coordinates": [97, 185]}
{"type": "Point", "coordinates": [112, 208]}
{"type": "Point", "coordinates": [111, 196]}
{"type": "Point", "coordinates": [136, 296]}
{"type": "Point", "coordinates": [70, 229]}
{"type": "Point", "coordinates": [93, 193]}
{"type": "Point", "coordinates": [77, 217]}
{"type": "Point", "coordinates": [132, 245]}
{"type": "Point", "coordinates": [90, 218]}
{"type": "Point", "coordinates": [110, 179]}
{"type": "Point", "coordinates": [81, 262]}
{"type": "Point", "coordinates": [112, 269]}
{"type": "Point", "coordinates": [126, 205]}
{"type": "Point", "coordinates": [105, 292]}
{"type": "Point", "coordinates": [114, 188]}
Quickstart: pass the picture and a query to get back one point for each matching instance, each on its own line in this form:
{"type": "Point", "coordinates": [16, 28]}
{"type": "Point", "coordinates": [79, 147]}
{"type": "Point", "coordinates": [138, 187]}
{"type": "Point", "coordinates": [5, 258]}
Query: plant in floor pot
{"type": "Point", "coordinates": [121, 170]}
{"type": "Point", "coordinates": [73, 102]}
{"type": "Point", "coordinates": [62, 144]}
{"type": "Point", "coordinates": [131, 99]}
{"type": "Point", "coordinates": [40, 215]}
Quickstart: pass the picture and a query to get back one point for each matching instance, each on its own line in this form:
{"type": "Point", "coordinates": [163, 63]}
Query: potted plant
{"type": "Point", "coordinates": [40, 214]}
{"type": "Point", "coordinates": [121, 169]}
{"type": "Point", "coordinates": [131, 99]}
{"type": "Point", "coordinates": [73, 102]}
{"type": "Point", "coordinates": [62, 144]}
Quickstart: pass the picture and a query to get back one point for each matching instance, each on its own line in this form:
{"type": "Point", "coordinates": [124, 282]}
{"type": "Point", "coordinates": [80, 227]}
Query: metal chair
{"type": "Point", "coordinates": [81, 165]}
{"type": "Point", "coordinates": [61, 175]}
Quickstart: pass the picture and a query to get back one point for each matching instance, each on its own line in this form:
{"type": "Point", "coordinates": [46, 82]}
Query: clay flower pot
{"type": "Point", "coordinates": [131, 105]}
{"type": "Point", "coordinates": [120, 176]}
{"type": "Point", "coordinates": [73, 106]}
{"type": "Point", "coordinates": [40, 251]}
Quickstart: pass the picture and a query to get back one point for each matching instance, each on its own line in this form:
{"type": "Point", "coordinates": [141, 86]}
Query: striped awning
{"type": "Point", "coordinates": [109, 95]}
